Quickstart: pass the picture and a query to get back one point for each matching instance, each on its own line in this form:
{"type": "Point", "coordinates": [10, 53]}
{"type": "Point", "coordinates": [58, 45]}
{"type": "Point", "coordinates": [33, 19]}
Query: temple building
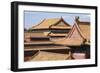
{"type": "Point", "coordinates": [47, 29]}
{"type": "Point", "coordinates": [59, 30]}
{"type": "Point", "coordinates": [79, 34]}
{"type": "Point", "coordinates": [55, 39]}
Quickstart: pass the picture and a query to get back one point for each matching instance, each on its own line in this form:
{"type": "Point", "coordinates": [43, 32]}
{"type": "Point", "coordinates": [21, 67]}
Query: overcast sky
{"type": "Point", "coordinates": [33, 18]}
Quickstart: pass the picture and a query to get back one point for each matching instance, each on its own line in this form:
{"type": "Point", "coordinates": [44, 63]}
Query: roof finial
{"type": "Point", "coordinates": [61, 17]}
{"type": "Point", "coordinates": [77, 18]}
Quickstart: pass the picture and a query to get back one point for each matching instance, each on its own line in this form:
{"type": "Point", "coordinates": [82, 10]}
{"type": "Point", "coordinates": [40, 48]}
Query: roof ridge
{"type": "Point", "coordinates": [61, 19]}
{"type": "Point", "coordinates": [65, 21]}
{"type": "Point", "coordinates": [72, 30]}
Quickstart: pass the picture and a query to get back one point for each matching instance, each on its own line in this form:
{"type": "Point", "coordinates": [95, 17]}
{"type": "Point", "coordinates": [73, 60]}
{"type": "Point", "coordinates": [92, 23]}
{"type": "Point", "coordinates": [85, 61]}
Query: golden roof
{"type": "Point", "coordinates": [34, 34]}
{"type": "Point", "coordinates": [74, 37]}
{"type": "Point", "coordinates": [45, 48]}
{"type": "Point", "coordinates": [57, 34]}
{"type": "Point", "coordinates": [44, 55]}
{"type": "Point", "coordinates": [46, 23]}
{"type": "Point", "coordinates": [37, 42]}
{"type": "Point", "coordinates": [60, 27]}
{"type": "Point", "coordinates": [85, 29]}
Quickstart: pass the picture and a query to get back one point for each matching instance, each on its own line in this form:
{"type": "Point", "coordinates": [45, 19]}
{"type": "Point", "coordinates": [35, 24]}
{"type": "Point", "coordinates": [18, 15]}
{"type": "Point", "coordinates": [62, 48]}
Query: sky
{"type": "Point", "coordinates": [32, 18]}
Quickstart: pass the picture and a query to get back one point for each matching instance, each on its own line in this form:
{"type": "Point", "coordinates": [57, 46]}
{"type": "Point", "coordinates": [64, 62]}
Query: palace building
{"type": "Point", "coordinates": [46, 40]}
